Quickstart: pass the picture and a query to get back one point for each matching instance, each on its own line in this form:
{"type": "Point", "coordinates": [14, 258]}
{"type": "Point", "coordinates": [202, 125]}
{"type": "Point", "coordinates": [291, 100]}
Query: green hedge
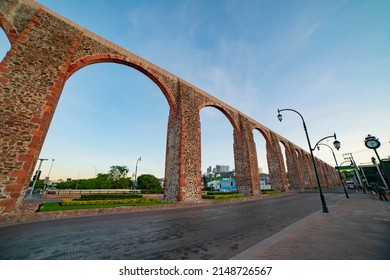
{"type": "Point", "coordinates": [221, 193]}
{"type": "Point", "coordinates": [222, 196]}
{"type": "Point", "coordinates": [72, 202]}
{"type": "Point", "coordinates": [108, 196]}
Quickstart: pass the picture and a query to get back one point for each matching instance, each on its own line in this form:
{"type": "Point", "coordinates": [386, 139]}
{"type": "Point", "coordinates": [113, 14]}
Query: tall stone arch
{"type": "Point", "coordinates": [46, 49]}
{"type": "Point", "coordinates": [307, 170]}
{"type": "Point", "coordinates": [277, 170]}
{"type": "Point", "coordinates": [9, 29]}
{"type": "Point", "coordinates": [302, 171]}
{"type": "Point", "coordinates": [270, 152]}
{"type": "Point", "coordinates": [167, 87]}
{"type": "Point", "coordinates": [247, 169]}
{"type": "Point", "coordinates": [32, 78]}
{"type": "Point", "coordinates": [295, 175]}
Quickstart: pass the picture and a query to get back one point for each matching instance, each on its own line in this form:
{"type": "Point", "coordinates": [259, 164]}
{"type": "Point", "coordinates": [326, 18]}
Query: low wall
{"type": "Point", "coordinates": [92, 191]}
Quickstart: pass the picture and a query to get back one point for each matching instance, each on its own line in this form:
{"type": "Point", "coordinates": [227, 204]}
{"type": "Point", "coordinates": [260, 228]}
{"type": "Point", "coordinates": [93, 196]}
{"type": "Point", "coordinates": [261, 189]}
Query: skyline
{"type": "Point", "coordinates": [329, 60]}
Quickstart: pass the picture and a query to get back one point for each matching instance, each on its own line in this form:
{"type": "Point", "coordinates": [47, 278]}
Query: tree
{"type": "Point", "coordinates": [150, 182]}
{"type": "Point", "coordinates": [117, 173]}
{"type": "Point", "coordinates": [102, 181]}
{"type": "Point", "coordinates": [39, 184]}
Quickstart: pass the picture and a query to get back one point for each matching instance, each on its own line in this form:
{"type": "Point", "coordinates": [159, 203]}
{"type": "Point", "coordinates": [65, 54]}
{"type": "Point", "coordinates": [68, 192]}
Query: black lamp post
{"type": "Point", "coordinates": [337, 166]}
{"type": "Point", "coordinates": [324, 207]}
{"type": "Point", "coordinates": [336, 143]}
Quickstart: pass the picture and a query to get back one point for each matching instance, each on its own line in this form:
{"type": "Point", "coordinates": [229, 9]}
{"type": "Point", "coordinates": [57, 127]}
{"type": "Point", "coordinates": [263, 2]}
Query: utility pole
{"type": "Point", "coordinates": [349, 156]}
{"type": "Point", "coordinates": [47, 179]}
{"type": "Point", "coordinates": [37, 174]}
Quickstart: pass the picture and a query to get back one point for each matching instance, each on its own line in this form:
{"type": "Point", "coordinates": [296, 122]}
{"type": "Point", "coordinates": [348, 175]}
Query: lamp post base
{"type": "Point", "coordinates": [324, 207]}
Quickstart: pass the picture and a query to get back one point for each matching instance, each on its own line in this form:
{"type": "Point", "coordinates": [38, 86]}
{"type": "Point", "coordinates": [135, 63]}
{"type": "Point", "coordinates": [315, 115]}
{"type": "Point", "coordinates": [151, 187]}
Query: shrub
{"type": "Point", "coordinates": [71, 202]}
{"type": "Point", "coordinates": [108, 196]}
{"type": "Point", "coordinates": [222, 196]}
{"type": "Point", "coordinates": [221, 193]}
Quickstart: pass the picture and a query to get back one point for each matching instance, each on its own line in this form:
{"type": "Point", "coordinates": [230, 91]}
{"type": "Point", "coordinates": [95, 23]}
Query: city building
{"type": "Point", "coordinates": [222, 168]}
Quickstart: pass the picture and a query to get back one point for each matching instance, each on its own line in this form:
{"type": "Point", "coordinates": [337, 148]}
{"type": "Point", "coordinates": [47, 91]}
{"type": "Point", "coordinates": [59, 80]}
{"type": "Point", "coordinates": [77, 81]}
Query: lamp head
{"type": "Point", "coordinates": [336, 144]}
{"type": "Point", "coordinates": [279, 116]}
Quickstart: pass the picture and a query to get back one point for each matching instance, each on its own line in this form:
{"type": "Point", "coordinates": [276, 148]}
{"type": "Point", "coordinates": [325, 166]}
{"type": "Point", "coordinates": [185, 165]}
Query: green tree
{"type": "Point", "coordinates": [38, 185]}
{"type": "Point", "coordinates": [102, 181]}
{"type": "Point", "coordinates": [149, 182]}
{"type": "Point", "coordinates": [117, 173]}
{"type": "Point", "coordinates": [115, 178]}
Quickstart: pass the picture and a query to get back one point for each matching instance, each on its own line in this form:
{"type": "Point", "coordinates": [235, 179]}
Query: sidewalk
{"type": "Point", "coordinates": [354, 229]}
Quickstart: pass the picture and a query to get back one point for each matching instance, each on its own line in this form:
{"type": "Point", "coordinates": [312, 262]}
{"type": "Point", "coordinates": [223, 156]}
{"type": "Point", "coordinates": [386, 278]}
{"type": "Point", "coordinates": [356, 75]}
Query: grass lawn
{"type": "Point", "coordinates": [56, 206]}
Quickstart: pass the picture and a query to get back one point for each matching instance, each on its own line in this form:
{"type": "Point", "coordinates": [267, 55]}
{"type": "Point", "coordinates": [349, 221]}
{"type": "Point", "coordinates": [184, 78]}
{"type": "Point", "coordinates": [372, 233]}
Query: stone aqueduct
{"type": "Point", "coordinates": [46, 49]}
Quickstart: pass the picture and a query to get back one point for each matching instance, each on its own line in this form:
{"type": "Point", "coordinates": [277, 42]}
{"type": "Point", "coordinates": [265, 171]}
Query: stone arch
{"type": "Point", "coordinates": [131, 98]}
{"type": "Point", "coordinates": [286, 147]}
{"type": "Point", "coordinates": [224, 111]}
{"type": "Point", "coordinates": [106, 57]}
{"type": "Point", "coordinates": [44, 82]}
{"type": "Point", "coordinates": [300, 171]}
{"type": "Point", "coordinates": [230, 120]}
{"type": "Point", "coordinates": [269, 153]}
{"type": "Point", "coordinates": [6, 46]}
{"type": "Point", "coordinates": [9, 30]}
{"type": "Point", "coordinates": [309, 164]}
{"type": "Point", "coordinates": [265, 134]}
{"type": "Point", "coordinates": [306, 174]}
{"type": "Point", "coordinates": [285, 151]}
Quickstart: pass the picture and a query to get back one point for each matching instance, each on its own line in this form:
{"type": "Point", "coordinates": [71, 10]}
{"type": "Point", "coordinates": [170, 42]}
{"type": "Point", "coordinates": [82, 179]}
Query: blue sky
{"type": "Point", "coordinates": [329, 60]}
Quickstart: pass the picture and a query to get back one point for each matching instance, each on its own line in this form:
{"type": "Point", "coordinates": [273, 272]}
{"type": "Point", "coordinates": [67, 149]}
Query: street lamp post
{"type": "Point", "coordinates": [135, 176]}
{"type": "Point", "coordinates": [324, 207]}
{"type": "Point", "coordinates": [337, 166]}
{"type": "Point", "coordinates": [336, 143]}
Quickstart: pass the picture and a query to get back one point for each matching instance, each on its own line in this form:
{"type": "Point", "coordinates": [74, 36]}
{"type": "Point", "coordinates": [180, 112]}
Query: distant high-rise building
{"type": "Point", "coordinates": [222, 168]}
{"type": "Point", "coordinates": [209, 170]}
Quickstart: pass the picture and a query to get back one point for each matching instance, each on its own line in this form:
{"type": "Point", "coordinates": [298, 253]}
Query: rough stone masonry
{"type": "Point", "coordinates": [46, 49]}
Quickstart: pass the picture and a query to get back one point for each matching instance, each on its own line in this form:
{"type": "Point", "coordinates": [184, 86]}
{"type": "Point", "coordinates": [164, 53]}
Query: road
{"type": "Point", "coordinates": [200, 233]}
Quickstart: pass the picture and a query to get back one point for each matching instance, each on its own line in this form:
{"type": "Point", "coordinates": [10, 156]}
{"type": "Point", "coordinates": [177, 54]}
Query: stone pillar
{"type": "Point", "coordinates": [276, 169]}
{"type": "Point", "coordinates": [303, 170]}
{"type": "Point", "coordinates": [294, 170]}
{"type": "Point", "coordinates": [254, 174]}
{"type": "Point", "coordinates": [314, 183]}
{"type": "Point", "coordinates": [308, 170]}
{"type": "Point", "coordinates": [320, 172]}
{"type": "Point", "coordinates": [245, 158]}
{"type": "Point", "coordinates": [172, 158]}
{"type": "Point", "coordinates": [190, 177]}
{"type": "Point", "coordinates": [32, 76]}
